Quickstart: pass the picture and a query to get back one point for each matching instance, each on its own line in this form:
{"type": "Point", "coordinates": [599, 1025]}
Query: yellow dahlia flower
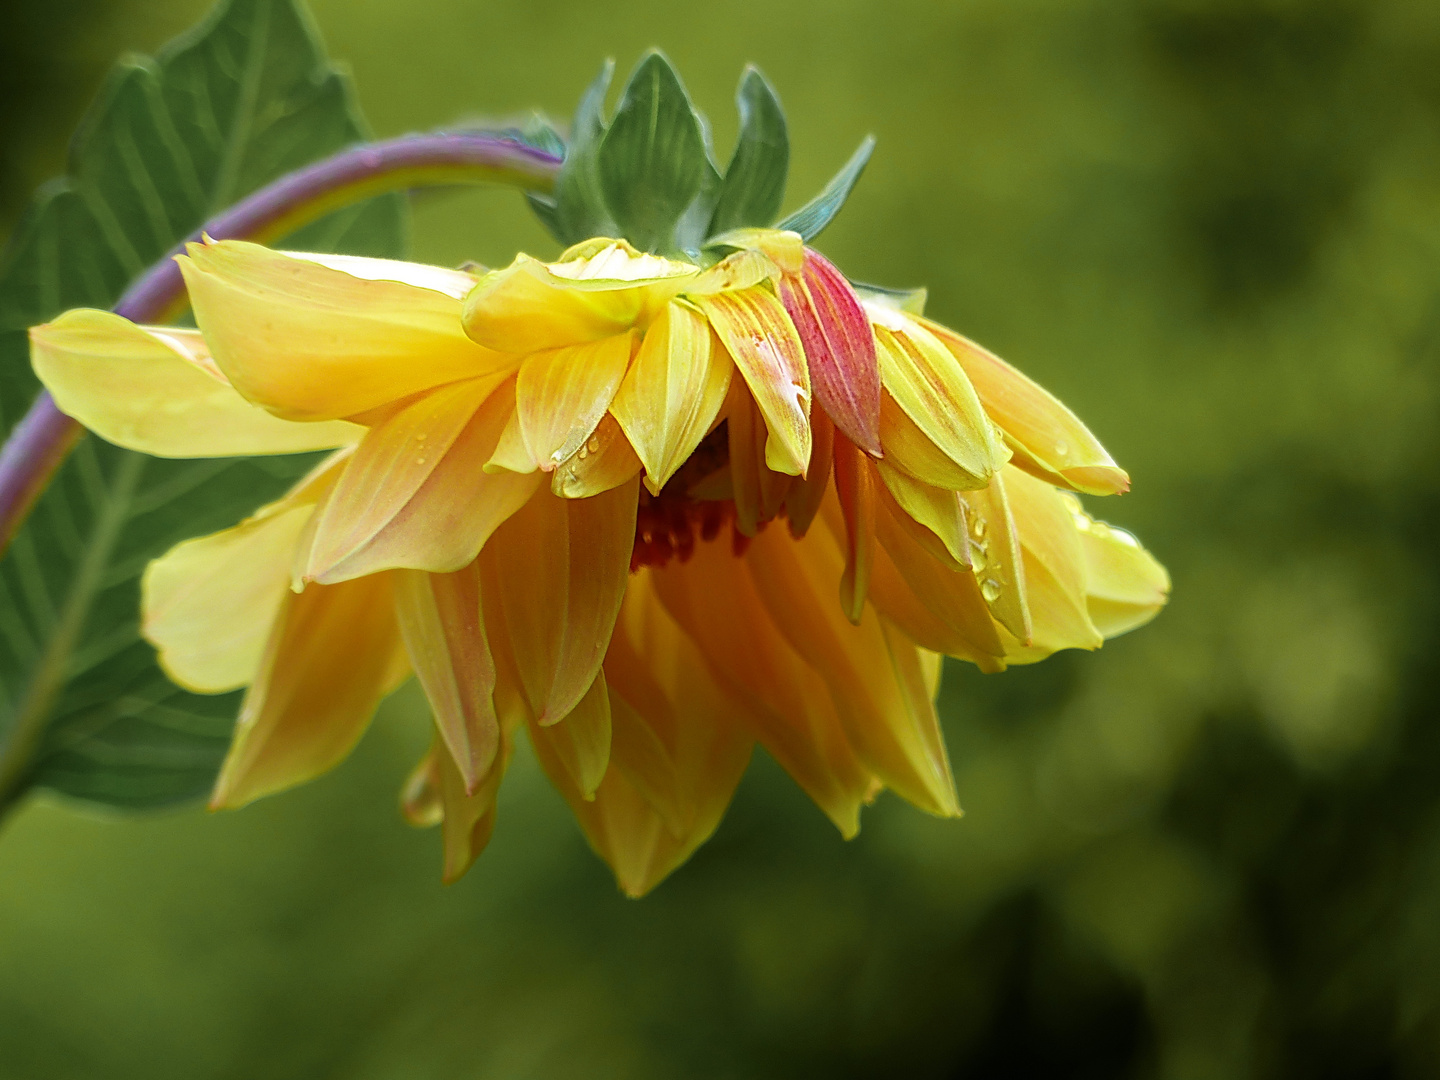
{"type": "Point", "coordinates": [553, 497]}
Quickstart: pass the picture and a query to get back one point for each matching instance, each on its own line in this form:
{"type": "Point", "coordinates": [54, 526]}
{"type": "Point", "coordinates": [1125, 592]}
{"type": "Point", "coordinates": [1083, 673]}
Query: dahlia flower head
{"type": "Point", "coordinates": [648, 506]}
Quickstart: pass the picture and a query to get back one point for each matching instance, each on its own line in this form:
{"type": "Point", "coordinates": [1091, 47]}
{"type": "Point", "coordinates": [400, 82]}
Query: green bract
{"type": "Point", "coordinates": [648, 174]}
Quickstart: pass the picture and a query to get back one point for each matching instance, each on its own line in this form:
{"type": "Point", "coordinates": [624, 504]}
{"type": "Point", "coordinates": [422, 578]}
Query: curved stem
{"type": "Point", "coordinates": [45, 435]}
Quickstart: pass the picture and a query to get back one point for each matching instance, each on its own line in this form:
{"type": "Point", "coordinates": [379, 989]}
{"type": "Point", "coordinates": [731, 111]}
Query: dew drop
{"type": "Point", "coordinates": [990, 589]}
{"type": "Point", "coordinates": [977, 528]}
{"type": "Point", "coordinates": [593, 445]}
{"type": "Point", "coordinates": [978, 559]}
{"type": "Point", "coordinates": [1062, 449]}
{"type": "Point", "coordinates": [419, 461]}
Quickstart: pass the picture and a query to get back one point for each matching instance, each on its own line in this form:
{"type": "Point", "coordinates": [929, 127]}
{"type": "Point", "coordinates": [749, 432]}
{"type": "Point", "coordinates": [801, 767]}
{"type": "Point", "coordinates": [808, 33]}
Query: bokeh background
{"type": "Point", "coordinates": [1210, 850]}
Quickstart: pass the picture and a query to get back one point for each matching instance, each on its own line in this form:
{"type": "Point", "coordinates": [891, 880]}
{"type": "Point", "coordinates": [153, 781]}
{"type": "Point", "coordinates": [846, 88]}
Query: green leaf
{"type": "Point", "coordinates": [248, 96]}
{"type": "Point", "coordinates": [652, 159]}
{"type": "Point", "coordinates": [576, 209]}
{"type": "Point", "coordinates": [754, 184]}
{"type": "Point", "coordinates": [811, 218]}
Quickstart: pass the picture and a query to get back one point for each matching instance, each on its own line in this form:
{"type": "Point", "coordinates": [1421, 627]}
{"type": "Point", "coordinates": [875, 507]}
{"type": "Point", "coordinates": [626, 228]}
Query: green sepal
{"type": "Point", "coordinates": [911, 301]}
{"type": "Point", "coordinates": [542, 135]}
{"type": "Point", "coordinates": [812, 218]}
{"type": "Point", "coordinates": [754, 183]}
{"type": "Point", "coordinates": [576, 209]}
{"type": "Point", "coordinates": [652, 160]}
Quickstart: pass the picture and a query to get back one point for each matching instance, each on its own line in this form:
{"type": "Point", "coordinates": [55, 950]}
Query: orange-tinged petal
{"type": "Point", "coordinates": [560, 568]}
{"type": "Point", "coordinates": [1055, 571]}
{"type": "Point", "coordinates": [605, 461]}
{"type": "Point", "coordinates": [1125, 586]}
{"type": "Point", "coordinates": [469, 816]}
{"type": "Point", "coordinates": [672, 392]}
{"type": "Point", "coordinates": [802, 501]}
{"type": "Point", "coordinates": [839, 348]}
{"type": "Point", "coordinates": [392, 509]}
{"type": "Point", "coordinates": [766, 348]}
{"type": "Point", "coordinates": [580, 743]}
{"type": "Point", "coordinates": [596, 290]}
{"type": "Point", "coordinates": [939, 511]}
{"type": "Point", "coordinates": [209, 604]}
{"type": "Point", "coordinates": [561, 395]}
{"type": "Point", "coordinates": [787, 705]}
{"type": "Point", "coordinates": [916, 618]}
{"type": "Point", "coordinates": [444, 634]}
{"type": "Point", "coordinates": [156, 390]}
{"type": "Point", "coordinates": [334, 652]}
{"type": "Point", "coordinates": [896, 740]}
{"type": "Point", "coordinates": [995, 555]}
{"type": "Point", "coordinates": [931, 388]}
{"type": "Point", "coordinates": [857, 487]}
{"type": "Point", "coordinates": [904, 565]}
{"type": "Point", "coordinates": [1048, 439]}
{"type": "Point", "coordinates": [758, 490]}
{"type": "Point", "coordinates": [309, 342]}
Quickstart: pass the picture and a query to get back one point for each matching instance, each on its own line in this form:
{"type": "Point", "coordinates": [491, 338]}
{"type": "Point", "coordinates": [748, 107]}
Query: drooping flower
{"type": "Point", "coordinates": [554, 496]}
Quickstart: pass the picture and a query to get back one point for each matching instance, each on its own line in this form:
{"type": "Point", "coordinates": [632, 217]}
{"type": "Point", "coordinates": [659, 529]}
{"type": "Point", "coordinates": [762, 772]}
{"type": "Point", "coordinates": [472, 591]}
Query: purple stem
{"type": "Point", "coordinates": [45, 435]}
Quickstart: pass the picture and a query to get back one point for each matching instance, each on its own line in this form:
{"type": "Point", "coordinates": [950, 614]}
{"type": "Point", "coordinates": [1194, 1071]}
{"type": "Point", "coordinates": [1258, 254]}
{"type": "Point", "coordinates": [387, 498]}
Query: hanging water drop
{"type": "Point", "coordinates": [990, 589]}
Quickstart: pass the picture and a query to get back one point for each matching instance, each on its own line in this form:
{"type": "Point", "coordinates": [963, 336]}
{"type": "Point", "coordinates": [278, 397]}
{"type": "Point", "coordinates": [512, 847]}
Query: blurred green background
{"type": "Point", "coordinates": [1210, 850]}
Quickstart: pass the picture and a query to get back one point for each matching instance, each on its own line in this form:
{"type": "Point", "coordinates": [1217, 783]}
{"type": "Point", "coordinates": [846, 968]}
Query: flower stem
{"type": "Point", "coordinates": [44, 436]}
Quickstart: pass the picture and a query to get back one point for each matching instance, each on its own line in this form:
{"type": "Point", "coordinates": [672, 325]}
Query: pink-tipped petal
{"type": "Point", "coordinates": [839, 346]}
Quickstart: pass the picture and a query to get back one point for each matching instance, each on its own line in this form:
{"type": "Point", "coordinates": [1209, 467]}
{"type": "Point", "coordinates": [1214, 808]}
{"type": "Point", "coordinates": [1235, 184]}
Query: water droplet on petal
{"type": "Point", "coordinates": [977, 528]}
{"type": "Point", "coordinates": [990, 589]}
{"type": "Point", "coordinates": [978, 558]}
{"type": "Point", "coordinates": [1061, 449]}
{"type": "Point", "coordinates": [593, 445]}
{"type": "Point", "coordinates": [419, 461]}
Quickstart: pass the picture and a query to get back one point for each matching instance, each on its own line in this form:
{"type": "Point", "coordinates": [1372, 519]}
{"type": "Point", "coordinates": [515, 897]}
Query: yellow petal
{"type": "Point", "coordinates": [561, 395]}
{"type": "Point", "coordinates": [334, 652]}
{"type": "Point", "coordinates": [156, 390]}
{"type": "Point", "coordinates": [560, 568]}
{"type": "Point", "coordinates": [766, 347]}
{"type": "Point", "coordinates": [417, 495]}
{"type": "Point", "coordinates": [910, 450]}
{"type": "Point", "coordinates": [444, 635]}
{"type": "Point", "coordinates": [1055, 569]}
{"type": "Point", "coordinates": [580, 743]}
{"type": "Point", "coordinates": [511, 454]}
{"type": "Point", "coordinates": [209, 604]}
{"type": "Point", "coordinates": [1125, 586]}
{"type": "Point", "coordinates": [672, 392]}
{"type": "Point", "coordinates": [309, 342]}
{"type": "Point", "coordinates": [931, 388]}
{"type": "Point", "coordinates": [595, 291]}
{"type": "Point", "coordinates": [787, 705]}
{"type": "Point", "coordinates": [897, 740]}
{"type": "Point", "coordinates": [995, 555]}
{"type": "Point", "coordinates": [605, 461]}
{"type": "Point", "coordinates": [939, 511]}
{"type": "Point", "coordinates": [1048, 439]}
